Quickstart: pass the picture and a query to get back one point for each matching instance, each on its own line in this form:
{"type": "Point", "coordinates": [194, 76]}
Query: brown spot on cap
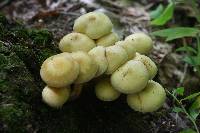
{"type": "Point", "coordinates": [92, 18]}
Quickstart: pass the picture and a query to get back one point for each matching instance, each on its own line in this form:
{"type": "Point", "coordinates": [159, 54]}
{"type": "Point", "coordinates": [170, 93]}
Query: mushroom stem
{"type": "Point", "coordinates": [76, 90]}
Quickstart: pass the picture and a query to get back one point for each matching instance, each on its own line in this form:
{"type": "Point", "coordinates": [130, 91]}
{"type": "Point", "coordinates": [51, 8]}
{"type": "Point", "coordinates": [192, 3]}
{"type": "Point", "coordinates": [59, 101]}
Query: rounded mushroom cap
{"type": "Point", "coordinates": [55, 97]}
{"type": "Point", "coordinates": [87, 66]}
{"type": "Point", "coordinates": [99, 55]}
{"type": "Point", "coordinates": [130, 49]}
{"type": "Point", "coordinates": [105, 92]}
{"type": "Point", "coordinates": [76, 42]}
{"type": "Point", "coordinates": [59, 70]}
{"type": "Point", "coordinates": [148, 100]}
{"type": "Point", "coordinates": [116, 56]}
{"type": "Point", "coordinates": [93, 24]}
{"type": "Point", "coordinates": [108, 40]}
{"type": "Point", "coordinates": [150, 65]}
{"type": "Point", "coordinates": [130, 78]}
{"type": "Point", "coordinates": [142, 42]}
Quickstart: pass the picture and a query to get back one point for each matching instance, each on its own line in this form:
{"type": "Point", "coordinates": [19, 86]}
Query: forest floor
{"type": "Point", "coordinates": [30, 33]}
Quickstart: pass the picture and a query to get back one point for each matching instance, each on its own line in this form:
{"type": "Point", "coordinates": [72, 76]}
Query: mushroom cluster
{"type": "Point", "coordinates": [93, 49]}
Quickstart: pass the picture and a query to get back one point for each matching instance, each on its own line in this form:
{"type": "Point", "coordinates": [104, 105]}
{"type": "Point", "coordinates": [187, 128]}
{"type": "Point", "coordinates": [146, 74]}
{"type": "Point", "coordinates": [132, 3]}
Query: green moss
{"type": "Point", "coordinates": [13, 117]}
{"type": "Point", "coordinates": [3, 19]}
{"type": "Point", "coordinates": [21, 53]}
{"type": "Point", "coordinates": [41, 37]}
{"type": "Point", "coordinates": [3, 48]}
{"type": "Point", "coordinates": [8, 112]}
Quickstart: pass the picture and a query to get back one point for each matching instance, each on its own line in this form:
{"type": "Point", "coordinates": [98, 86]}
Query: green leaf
{"type": "Point", "coordinates": [194, 113]}
{"type": "Point", "coordinates": [192, 60]}
{"type": "Point", "coordinates": [191, 96]}
{"type": "Point", "coordinates": [189, 130]}
{"type": "Point", "coordinates": [196, 104]}
{"type": "Point", "coordinates": [165, 16]}
{"type": "Point", "coordinates": [198, 46]}
{"type": "Point", "coordinates": [157, 12]}
{"type": "Point", "coordinates": [179, 91]}
{"type": "Point", "coordinates": [177, 109]}
{"type": "Point", "coordinates": [175, 33]}
{"type": "Point", "coordinates": [186, 48]}
{"type": "Point", "coordinates": [189, 60]}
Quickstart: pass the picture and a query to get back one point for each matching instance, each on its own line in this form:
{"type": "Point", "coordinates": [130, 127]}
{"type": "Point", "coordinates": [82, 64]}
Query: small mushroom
{"type": "Point", "coordinates": [105, 91]}
{"type": "Point", "coordinates": [130, 49]}
{"type": "Point", "coordinates": [150, 65]}
{"type": "Point", "coordinates": [93, 24]}
{"type": "Point", "coordinates": [132, 77]}
{"type": "Point", "coordinates": [87, 65]}
{"type": "Point", "coordinates": [59, 70]}
{"type": "Point", "coordinates": [99, 55]}
{"type": "Point", "coordinates": [55, 97]}
{"type": "Point", "coordinates": [116, 56]}
{"type": "Point", "coordinates": [76, 42]}
{"type": "Point", "coordinates": [142, 42]}
{"type": "Point", "coordinates": [148, 100]}
{"type": "Point", "coordinates": [108, 40]}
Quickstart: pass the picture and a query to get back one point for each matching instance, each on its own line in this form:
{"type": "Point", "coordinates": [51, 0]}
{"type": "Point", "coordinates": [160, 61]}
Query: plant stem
{"type": "Point", "coordinates": [193, 4]}
{"type": "Point", "coordinates": [184, 110]}
{"type": "Point", "coordinates": [198, 52]}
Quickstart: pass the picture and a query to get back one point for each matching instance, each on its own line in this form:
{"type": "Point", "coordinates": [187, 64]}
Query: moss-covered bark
{"type": "Point", "coordinates": [21, 53]}
{"type": "Point", "coordinates": [21, 110]}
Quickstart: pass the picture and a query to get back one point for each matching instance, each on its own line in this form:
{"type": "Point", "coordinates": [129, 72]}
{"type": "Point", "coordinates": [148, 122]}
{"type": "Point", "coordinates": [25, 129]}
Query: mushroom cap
{"type": "Point", "coordinates": [55, 97]}
{"type": "Point", "coordinates": [87, 66]}
{"type": "Point", "coordinates": [148, 100]}
{"type": "Point", "coordinates": [142, 42]}
{"type": "Point", "coordinates": [108, 40]}
{"type": "Point", "coordinates": [93, 24]}
{"type": "Point", "coordinates": [105, 92]}
{"type": "Point", "coordinates": [132, 77]}
{"type": "Point", "coordinates": [150, 65]}
{"type": "Point", "coordinates": [76, 42]}
{"type": "Point", "coordinates": [116, 56]}
{"type": "Point", "coordinates": [130, 49]}
{"type": "Point", "coordinates": [99, 55]}
{"type": "Point", "coordinates": [59, 70]}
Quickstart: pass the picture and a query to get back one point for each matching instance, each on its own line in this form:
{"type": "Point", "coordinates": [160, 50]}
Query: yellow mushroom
{"type": "Point", "coordinates": [93, 24]}
{"type": "Point", "coordinates": [130, 49]}
{"type": "Point", "coordinates": [150, 65]}
{"type": "Point", "coordinates": [132, 77]}
{"type": "Point", "coordinates": [148, 100]}
{"type": "Point", "coordinates": [105, 91]}
{"type": "Point", "coordinates": [76, 42]}
{"type": "Point", "coordinates": [99, 55]}
{"type": "Point", "coordinates": [87, 65]}
{"type": "Point", "coordinates": [55, 97]}
{"type": "Point", "coordinates": [59, 70]}
{"type": "Point", "coordinates": [108, 40]}
{"type": "Point", "coordinates": [116, 56]}
{"type": "Point", "coordinates": [142, 42]}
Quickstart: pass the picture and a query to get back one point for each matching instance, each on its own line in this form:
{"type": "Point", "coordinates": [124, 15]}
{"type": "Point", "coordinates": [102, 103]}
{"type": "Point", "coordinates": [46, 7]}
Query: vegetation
{"type": "Point", "coordinates": [193, 111]}
{"type": "Point", "coordinates": [192, 53]}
